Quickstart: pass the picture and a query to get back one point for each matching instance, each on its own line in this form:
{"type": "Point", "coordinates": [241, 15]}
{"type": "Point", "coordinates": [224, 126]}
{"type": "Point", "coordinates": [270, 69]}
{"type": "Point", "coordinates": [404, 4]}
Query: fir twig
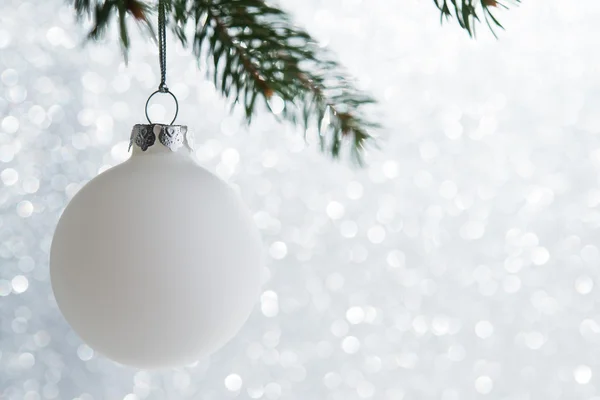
{"type": "Point", "coordinates": [102, 11]}
{"type": "Point", "coordinates": [255, 52]}
{"type": "Point", "coordinates": [467, 12]}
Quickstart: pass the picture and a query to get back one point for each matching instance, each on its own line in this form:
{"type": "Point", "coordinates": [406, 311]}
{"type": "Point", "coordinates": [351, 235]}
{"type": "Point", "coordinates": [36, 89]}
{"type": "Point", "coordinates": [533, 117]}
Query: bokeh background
{"type": "Point", "coordinates": [461, 263]}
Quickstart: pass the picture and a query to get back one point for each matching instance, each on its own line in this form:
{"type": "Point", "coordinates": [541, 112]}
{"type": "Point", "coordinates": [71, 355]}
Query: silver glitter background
{"type": "Point", "coordinates": [462, 263]}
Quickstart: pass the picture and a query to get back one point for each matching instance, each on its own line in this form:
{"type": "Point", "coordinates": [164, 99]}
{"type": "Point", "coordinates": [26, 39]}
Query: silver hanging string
{"type": "Point", "coordinates": [162, 46]}
{"type": "Point", "coordinates": [162, 54]}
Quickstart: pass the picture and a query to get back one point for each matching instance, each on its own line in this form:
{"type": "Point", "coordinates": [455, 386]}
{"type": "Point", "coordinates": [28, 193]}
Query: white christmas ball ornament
{"type": "Point", "coordinates": [156, 262]}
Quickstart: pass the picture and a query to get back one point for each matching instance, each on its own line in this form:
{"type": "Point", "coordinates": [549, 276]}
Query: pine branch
{"type": "Point", "coordinates": [467, 12]}
{"type": "Point", "coordinates": [256, 53]}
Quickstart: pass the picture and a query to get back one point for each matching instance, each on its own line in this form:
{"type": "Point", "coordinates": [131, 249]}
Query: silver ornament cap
{"type": "Point", "coordinates": [172, 137]}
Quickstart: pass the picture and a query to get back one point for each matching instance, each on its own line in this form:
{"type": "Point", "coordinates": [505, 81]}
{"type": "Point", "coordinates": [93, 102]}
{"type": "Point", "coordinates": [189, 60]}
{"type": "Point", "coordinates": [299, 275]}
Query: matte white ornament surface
{"type": "Point", "coordinates": [156, 262]}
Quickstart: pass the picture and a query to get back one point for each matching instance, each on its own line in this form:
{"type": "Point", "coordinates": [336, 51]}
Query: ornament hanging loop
{"type": "Point", "coordinates": [167, 91]}
{"type": "Point", "coordinates": [162, 53]}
